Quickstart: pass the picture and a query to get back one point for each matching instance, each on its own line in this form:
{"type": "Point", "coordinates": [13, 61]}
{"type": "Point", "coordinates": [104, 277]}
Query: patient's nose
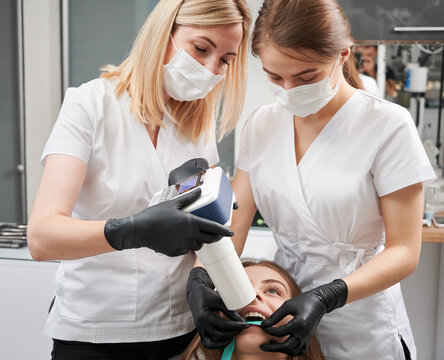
{"type": "Point", "coordinates": [259, 296]}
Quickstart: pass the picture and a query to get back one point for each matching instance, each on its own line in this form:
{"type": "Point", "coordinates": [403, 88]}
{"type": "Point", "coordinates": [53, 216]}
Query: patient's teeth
{"type": "Point", "coordinates": [253, 314]}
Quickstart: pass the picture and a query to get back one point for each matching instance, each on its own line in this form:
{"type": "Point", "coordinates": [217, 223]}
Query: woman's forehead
{"type": "Point", "coordinates": [258, 273]}
{"type": "Point", "coordinates": [304, 56]}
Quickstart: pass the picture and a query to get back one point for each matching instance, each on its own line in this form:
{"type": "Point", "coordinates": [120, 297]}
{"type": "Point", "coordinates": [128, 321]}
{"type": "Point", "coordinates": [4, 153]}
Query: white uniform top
{"type": "Point", "coordinates": [131, 295]}
{"type": "Point", "coordinates": [325, 212]}
{"type": "Point", "coordinates": [370, 85]}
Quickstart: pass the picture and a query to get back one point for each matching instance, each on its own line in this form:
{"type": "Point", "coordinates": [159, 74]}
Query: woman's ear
{"type": "Point", "coordinates": [344, 55]}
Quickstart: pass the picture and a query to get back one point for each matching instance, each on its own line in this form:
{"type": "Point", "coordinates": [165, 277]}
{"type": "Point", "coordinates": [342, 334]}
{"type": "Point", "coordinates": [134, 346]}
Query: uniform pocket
{"type": "Point", "coordinates": [99, 288]}
{"type": "Point", "coordinates": [179, 269]}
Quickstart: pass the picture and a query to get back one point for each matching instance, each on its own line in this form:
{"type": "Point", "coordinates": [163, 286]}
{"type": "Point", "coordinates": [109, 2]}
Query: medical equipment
{"type": "Point", "coordinates": [434, 196]}
{"type": "Point", "coordinates": [219, 258]}
{"type": "Point", "coordinates": [416, 78]}
{"type": "Point", "coordinates": [427, 218]}
{"type": "Point", "coordinates": [416, 84]}
{"type": "Point", "coordinates": [438, 220]}
{"type": "Point", "coordinates": [12, 235]}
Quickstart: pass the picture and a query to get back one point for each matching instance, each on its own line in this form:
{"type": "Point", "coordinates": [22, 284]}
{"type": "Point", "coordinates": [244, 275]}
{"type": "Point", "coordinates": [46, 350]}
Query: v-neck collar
{"type": "Point", "coordinates": [163, 134]}
{"type": "Point", "coordinates": [317, 143]}
{"type": "Point", "coordinates": [152, 154]}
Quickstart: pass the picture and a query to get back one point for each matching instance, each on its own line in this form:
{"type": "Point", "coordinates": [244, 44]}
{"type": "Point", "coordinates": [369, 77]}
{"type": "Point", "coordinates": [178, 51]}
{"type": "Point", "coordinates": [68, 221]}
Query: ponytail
{"type": "Point", "coordinates": [351, 73]}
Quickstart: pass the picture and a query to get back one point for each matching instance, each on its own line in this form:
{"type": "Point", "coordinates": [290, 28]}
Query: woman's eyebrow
{"type": "Point", "coordinates": [298, 74]}
{"type": "Point", "coordinates": [269, 281]}
{"type": "Point", "coordinates": [209, 40]}
{"type": "Point", "coordinates": [213, 44]}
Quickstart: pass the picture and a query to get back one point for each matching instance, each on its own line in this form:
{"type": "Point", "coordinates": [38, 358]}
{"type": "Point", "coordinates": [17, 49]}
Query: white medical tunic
{"type": "Point", "coordinates": [325, 212]}
{"type": "Point", "coordinates": [370, 85]}
{"type": "Point", "coordinates": [122, 296]}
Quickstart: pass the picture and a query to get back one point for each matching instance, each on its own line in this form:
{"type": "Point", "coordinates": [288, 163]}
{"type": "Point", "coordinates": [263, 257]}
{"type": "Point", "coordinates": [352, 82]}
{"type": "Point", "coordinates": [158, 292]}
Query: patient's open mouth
{"type": "Point", "coordinates": [253, 316]}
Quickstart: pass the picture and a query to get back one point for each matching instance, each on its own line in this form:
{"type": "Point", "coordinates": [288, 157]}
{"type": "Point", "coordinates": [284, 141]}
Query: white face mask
{"type": "Point", "coordinates": [185, 79]}
{"type": "Point", "coordinates": [307, 99]}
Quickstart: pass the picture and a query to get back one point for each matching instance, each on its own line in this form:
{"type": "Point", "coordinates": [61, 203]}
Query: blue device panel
{"type": "Point", "coordinates": [220, 209]}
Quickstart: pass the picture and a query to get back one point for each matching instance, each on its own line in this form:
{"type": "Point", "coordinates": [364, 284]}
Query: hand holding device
{"type": "Point", "coordinates": [220, 258]}
{"type": "Point", "coordinates": [215, 332]}
{"type": "Point", "coordinates": [187, 169]}
{"type": "Point", "coordinates": [307, 310]}
{"type": "Point", "coordinates": [165, 228]}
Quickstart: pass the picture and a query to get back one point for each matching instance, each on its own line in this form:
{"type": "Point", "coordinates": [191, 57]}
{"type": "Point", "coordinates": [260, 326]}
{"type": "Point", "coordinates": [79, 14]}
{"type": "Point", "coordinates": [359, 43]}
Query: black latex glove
{"type": "Point", "coordinates": [215, 332]}
{"type": "Point", "coordinates": [187, 169]}
{"type": "Point", "coordinates": [165, 228]}
{"type": "Point", "coordinates": [307, 310]}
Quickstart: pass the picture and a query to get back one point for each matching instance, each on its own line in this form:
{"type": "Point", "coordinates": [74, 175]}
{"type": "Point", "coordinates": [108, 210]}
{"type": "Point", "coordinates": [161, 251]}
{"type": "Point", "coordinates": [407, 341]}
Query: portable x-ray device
{"type": "Point", "coordinates": [219, 258]}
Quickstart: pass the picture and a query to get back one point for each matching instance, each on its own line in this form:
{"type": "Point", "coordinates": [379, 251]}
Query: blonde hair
{"type": "Point", "coordinates": [141, 73]}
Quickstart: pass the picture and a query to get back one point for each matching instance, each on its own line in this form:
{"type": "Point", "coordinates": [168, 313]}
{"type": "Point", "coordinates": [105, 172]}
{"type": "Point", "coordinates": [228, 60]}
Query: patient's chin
{"type": "Point", "coordinates": [249, 340]}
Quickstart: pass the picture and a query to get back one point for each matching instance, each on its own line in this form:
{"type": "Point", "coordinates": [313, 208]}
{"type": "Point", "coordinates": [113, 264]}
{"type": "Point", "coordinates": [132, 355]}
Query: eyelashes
{"type": "Point", "coordinates": [308, 80]}
{"type": "Point", "coordinates": [199, 49]}
{"type": "Point", "coordinates": [277, 79]}
{"type": "Point", "coordinates": [202, 51]}
{"type": "Point", "coordinates": [274, 290]}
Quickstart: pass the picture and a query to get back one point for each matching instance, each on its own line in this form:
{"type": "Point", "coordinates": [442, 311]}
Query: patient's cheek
{"type": "Point", "coordinates": [284, 320]}
{"type": "Point", "coordinates": [280, 323]}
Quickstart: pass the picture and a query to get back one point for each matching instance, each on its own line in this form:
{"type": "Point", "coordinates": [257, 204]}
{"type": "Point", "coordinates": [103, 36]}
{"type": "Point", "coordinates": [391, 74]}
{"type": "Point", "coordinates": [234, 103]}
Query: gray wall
{"type": "Point", "coordinates": [11, 192]}
{"type": "Point", "coordinates": [102, 32]}
{"type": "Point", "coordinates": [43, 82]}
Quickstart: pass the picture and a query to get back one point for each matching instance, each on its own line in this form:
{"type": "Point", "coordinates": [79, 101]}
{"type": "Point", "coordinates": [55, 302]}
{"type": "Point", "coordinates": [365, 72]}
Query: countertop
{"type": "Point", "coordinates": [433, 234]}
{"type": "Point", "coordinates": [15, 254]}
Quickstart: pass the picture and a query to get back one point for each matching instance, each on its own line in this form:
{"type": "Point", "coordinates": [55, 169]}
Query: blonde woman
{"type": "Point", "coordinates": [114, 143]}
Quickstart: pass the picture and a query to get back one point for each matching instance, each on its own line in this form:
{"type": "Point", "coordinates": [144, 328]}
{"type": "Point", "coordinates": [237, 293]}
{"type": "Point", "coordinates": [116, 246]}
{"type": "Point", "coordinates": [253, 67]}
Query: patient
{"type": "Point", "coordinates": [273, 286]}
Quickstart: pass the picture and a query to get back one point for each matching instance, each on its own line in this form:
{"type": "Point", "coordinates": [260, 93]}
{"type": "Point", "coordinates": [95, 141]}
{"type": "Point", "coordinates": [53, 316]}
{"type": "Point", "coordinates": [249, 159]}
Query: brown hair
{"type": "Point", "coordinates": [196, 351]}
{"type": "Point", "coordinates": [318, 25]}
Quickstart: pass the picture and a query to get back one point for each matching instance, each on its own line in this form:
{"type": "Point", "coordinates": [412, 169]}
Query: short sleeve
{"type": "Point", "coordinates": [242, 162]}
{"type": "Point", "coordinates": [73, 131]}
{"type": "Point", "coordinates": [401, 160]}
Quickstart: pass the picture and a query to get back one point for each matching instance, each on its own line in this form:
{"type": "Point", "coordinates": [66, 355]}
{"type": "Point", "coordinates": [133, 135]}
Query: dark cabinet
{"type": "Point", "coordinates": [377, 19]}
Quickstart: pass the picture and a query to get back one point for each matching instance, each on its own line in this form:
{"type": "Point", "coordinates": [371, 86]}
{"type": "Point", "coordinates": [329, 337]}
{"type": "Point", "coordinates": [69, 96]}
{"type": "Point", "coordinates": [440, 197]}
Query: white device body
{"type": "Point", "coordinates": [227, 273]}
{"type": "Point", "coordinates": [416, 81]}
{"type": "Point", "coordinates": [220, 258]}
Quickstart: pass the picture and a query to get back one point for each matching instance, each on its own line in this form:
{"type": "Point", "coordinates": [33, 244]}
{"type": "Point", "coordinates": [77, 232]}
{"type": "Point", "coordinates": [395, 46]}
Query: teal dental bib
{"type": "Point", "coordinates": [228, 351]}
